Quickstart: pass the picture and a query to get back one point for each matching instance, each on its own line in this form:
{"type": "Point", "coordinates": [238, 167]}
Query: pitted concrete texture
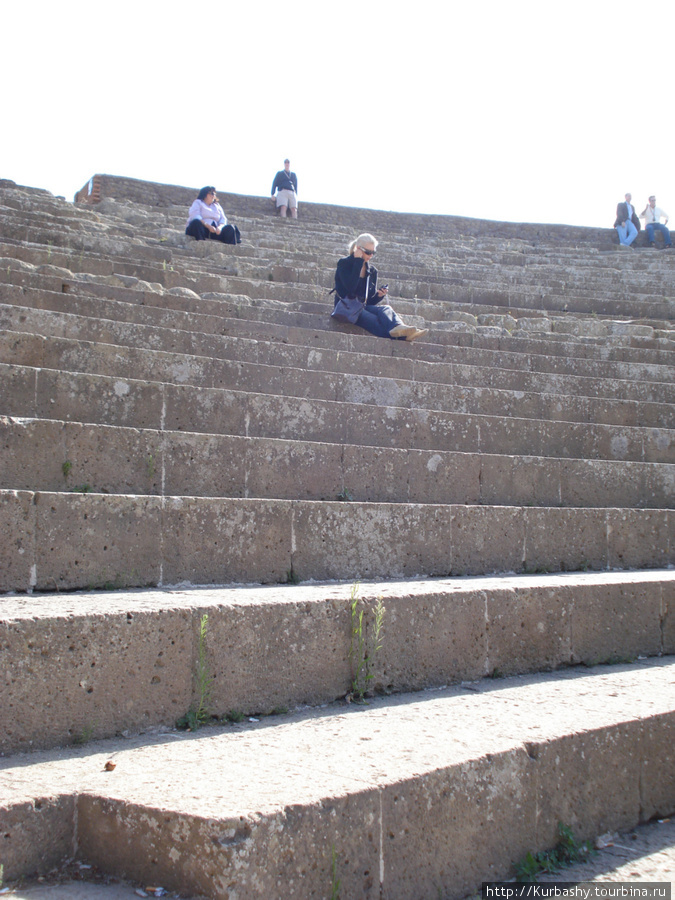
{"type": "Point", "coordinates": [646, 853]}
{"type": "Point", "coordinates": [111, 662]}
{"type": "Point", "coordinates": [415, 794]}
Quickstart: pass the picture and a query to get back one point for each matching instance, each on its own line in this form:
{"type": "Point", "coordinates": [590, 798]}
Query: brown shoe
{"type": "Point", "coordinates": [419, 332]}
{"type": "Point", "coordinates": [402, 331]}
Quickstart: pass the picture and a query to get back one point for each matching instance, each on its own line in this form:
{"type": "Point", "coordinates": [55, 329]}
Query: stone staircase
{"type": "Point", "coordinates": [211, 496]}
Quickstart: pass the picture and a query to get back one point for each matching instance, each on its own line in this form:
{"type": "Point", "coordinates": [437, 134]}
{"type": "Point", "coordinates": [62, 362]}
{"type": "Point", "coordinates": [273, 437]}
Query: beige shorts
{"type": "Point", "coordinates": [287, 198]}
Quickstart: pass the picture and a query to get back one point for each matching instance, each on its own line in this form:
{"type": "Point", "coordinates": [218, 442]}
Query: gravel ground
{"type": "Point", "coordinates": [645, 854]}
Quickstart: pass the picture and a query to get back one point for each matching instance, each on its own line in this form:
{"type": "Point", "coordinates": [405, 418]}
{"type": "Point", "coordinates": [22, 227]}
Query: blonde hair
{"type": "Point", "coordinates": [362, 239]}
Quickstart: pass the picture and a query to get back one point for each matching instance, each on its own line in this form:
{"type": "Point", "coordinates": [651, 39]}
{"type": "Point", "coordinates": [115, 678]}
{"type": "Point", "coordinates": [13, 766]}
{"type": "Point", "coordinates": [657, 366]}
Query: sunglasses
{"type": "Point", "coordinates": [367, 252]}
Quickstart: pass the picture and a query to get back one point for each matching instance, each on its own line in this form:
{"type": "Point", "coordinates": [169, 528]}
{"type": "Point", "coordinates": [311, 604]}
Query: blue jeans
{"type": "Point", "coordinates": [657, 226]}
{"type": "Point", "coordinates": [379, 320]}
{"type": "Point", "coordinates": [627, 233]}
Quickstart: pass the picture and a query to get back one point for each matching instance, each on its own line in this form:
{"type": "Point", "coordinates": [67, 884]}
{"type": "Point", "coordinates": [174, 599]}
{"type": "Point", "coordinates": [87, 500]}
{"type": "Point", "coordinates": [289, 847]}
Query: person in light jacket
{"type": "Point", "coordinates": [206, 219]}
{"type": "Point", "coordinates": [358, 299]}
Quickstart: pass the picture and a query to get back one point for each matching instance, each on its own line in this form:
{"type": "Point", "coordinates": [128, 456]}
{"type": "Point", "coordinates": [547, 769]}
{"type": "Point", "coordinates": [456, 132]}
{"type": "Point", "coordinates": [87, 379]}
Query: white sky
{"type": "Point", "coordinates": [501, 109]}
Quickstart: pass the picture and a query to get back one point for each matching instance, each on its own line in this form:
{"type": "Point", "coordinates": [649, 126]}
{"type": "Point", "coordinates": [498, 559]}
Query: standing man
{"type": "Point", "coordinates": [652, 215]}
{"type": "Point", "coordinates": [286, 185]}
{"type": "Point", "coordinates": [627, 223]}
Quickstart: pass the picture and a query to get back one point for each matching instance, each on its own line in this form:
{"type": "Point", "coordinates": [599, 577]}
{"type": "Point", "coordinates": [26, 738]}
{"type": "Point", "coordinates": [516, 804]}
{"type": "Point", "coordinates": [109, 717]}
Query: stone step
{"type": "Point", "coordinates": [267, 320]}
{"type": "Point", "coordinates": [312, 314]}
{"type": "Point", "coordinates": [46, 350]}
{"type": "Point", "coordinates": [336, 793]}
{"type": "Point", "coordinates": [124, 661]}
{"type": "Point", "coordinates": [291, 266]}
{"type": "Point", "coordinates": [366, 419]}
{"type": "Point", "coordinates": [362, 388]}
{"type": "Point", "coordinates": [47, 455]}
{"type": "Point", "coordinates": [513, 320]}
{"type": "Point", "coordinates": [593, 299]}
{"type": "Point", "coordinates": [69, 541]}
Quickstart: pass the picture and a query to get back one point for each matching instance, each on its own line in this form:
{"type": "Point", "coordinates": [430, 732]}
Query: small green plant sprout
{"type": "Point", "coordinates": [292, 576]}
{"type": "Point", "coordinates": [566, 852]}
{"type": "Point", "coordinates": [81, 489]}
{"type": "Point", "coordinates": [362, 652]}
{"type": "Point", "coordinates": [66, 468]}
{"type": "Point", "coordinates": [335, 882]}
{"type": "Point", "coordinates": [345, 495]}
{"type": "Point", "coordinates": [150, 465]}
{"type": "Point", "coordinates": [234, 716]}
{"type": "Point", "coordinates": [199, 714]}
{"type": "Point", "coordinates": [85, 735]}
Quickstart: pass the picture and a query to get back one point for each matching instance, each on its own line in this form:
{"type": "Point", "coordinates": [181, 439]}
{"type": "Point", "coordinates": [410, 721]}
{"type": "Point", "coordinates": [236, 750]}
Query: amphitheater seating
{"type": "Point", "coordinates": [215, 499]}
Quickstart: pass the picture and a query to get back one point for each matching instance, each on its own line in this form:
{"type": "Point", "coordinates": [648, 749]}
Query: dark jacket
{"type": "Point", "coordinates": [622, 215]}
{"type": "Point", "coordinates": [348, 282]}
{"type": "Point", "coordinates": [285, 181]}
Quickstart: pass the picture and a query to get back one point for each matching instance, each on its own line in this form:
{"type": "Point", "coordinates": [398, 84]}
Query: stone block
{"type": "Point", "coordinates": [112, 460]}
{"type": "Point", "coordinates": [519, 480]}
{"type": "Point", "coordinates": [96, 540]}
{"type": "Point", "coordinates": [33, 454]}
{"type": "Point", "coordinates": [528, 630]}
{"type": "Point", "coordinates": [90, 398]}
{"type": "Point", "coordinates": [18, 385]}
{"type": "Point", "coordinates": [261, 853]}
{"type": "Point", "coordinates": [668, 617]}
{"type": "Point", "coordinates": [658, 444]}
{"type": "Point", "coordinates": [487, 539]}
{"type": "Point", "coordinates": [203, 465]}
{"type": "Point", "coordinates": [17, 540]}
{"type": "Point", "coordinates": [657, 774]}
{"type": "Point", "coordinates": [589, 781]}
{"type": "Point", "coordinates": [598, 482]}
{"type": "Point", "coordinates": [428, 638]}
{"type": "Point", "coordinates": [478, 816]}
{"type": "Point", "coordinates": [565, 540]}
{"type": "Point", "coordinates": [615, 622]}
{"type": "Point", "coordinates": [210, 411]}
{"type": "Point", "coordinates": [219, 541]}
{"type": "Point", "coordinates": [445, 431]}
{"type": "Point", "coordinates": [371, 540]}
{"type": "Point", "coordinates": [22, 349]}
{"type": "Point", "coordinates": [443, 477]}
{"type": "Point", "coordinates": [294, 470]}
{"type": "Point", "coordinates": [640, 538]}
{"type": "Point", "coordinates": [277, 653]}
{"type": "Point", "coordinates": [100, 673]}
{"type": "Point", "coordinates": [375, 426]}
{"type": "Point", "coordinates": [375, 474]}
{"type": "Point", "coordinates": [38, 834]}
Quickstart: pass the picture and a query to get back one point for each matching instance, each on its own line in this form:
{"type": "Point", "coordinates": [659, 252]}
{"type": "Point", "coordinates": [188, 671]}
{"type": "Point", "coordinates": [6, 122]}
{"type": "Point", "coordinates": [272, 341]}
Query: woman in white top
{"type": "Point", "coordinates": [206, 219]}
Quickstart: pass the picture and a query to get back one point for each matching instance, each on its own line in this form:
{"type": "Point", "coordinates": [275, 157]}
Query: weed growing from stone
{"type": "Point", "coordinates": [362, 657]}
{"type": "Point", "coordinates": [81, 489]}
{"type": "Point", "coordinates": [85, 735]}
{"type": "Point", "coordinates": [150, 465]}
{"type": "Point", "coordinates": [66, 468]}
{"type": "Point", "coordinates": [335, 881]}
{"type": "Point", "coordinates": [235, 716]}
{"type": "Point", "coordinates": [566, 852]}
{"type": "Point", "coordinates": [292, 576]}
{"type": "Point", "coordinates": [345, 495]}
{"type": "Point", "coordinates": [198, 715]}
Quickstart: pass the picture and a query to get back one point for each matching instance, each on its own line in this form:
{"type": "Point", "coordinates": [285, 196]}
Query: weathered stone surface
{"type": "Point", "coordinates": [17, 540]}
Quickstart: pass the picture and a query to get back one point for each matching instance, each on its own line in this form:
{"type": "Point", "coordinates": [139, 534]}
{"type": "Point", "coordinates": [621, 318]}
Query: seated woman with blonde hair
{"type": "Point", "coordinates": [357, 295]}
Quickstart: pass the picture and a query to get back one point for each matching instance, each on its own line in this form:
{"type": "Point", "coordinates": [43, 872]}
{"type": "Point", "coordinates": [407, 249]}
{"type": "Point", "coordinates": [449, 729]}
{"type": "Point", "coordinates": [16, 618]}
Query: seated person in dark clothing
{"type": "Point", "coordinates": [357, 296]}
{"type": "Point", "coordinates": [206, 219]}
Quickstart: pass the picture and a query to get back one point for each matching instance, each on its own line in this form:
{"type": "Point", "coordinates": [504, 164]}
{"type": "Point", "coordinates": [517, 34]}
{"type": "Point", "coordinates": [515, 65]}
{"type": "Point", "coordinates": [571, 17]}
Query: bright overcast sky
{"type": "Point", "coordinates": [501, 109]}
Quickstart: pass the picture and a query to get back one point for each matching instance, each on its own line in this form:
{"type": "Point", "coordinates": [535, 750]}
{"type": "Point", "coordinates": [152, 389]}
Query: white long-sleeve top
{"type": "Point", "coordinates": [212, 214]}
{"type": "Point", "coordinates": [653, 215]}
